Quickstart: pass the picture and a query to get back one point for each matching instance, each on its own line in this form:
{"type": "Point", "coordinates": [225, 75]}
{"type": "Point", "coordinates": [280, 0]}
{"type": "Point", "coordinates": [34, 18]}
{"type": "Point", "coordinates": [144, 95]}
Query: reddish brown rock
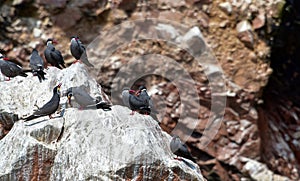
{"type": "Point", "coordinates": [53, 3]}
{"type": "Point", "coordinates": [247, 38]}
{"type": "Point", "coordinates": [259, 21]}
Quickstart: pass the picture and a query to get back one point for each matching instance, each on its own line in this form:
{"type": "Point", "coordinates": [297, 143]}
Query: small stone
{"type": "Point", "coordinates": [128, 5]}
{"type": "Point", "coordinates": [243, 26]}
{"type": "Point", "coordinates": [223, 24]}
{"type": "Point", "coordinates": [247, 38]}
{"type": "Point", "coordinates": [53, 3]}
{"type": "Point", "coordinates": [226, 7]}
{"type": "Point", "coordinates": [18, 2]}
{"type": "Point", "coordinates": [259, 21]}
{"type": "Point", "coordinates": [37, 32]}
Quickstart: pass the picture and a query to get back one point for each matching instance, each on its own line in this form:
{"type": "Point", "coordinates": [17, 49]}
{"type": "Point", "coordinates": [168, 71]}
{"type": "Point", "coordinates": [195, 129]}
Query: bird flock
{"type": "Point", "coordinates": [54, 58]}
{"type": "Point", "coordinates": [138, 101]}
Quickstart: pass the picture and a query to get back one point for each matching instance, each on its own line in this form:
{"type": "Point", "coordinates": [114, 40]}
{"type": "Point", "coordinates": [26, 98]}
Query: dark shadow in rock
{"type": "Point", "coordinates": [7, 121]}
{"type": "Point", "coordinates": [41, 121]}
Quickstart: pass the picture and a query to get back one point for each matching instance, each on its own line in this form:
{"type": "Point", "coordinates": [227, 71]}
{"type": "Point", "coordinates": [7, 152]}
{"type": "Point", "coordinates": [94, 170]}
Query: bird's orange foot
{"type": "Point", "coordinates": [7, 79]}
{"type": "Point", "coordinates": [76, 61]}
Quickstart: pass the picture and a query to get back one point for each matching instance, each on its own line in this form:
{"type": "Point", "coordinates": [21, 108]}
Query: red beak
{"type": "Point", "coordinates": [59, 84]}
{"type": "Point", "coordinates": [54, 42]}
{"type": "Point", "coordinates": [131, 91]}
{"type": "Point", "coordinates": [5, 58]}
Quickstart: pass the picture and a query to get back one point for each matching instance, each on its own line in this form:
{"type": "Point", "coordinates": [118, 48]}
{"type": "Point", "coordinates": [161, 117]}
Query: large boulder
{"type": "Point", "coordinates": [90, 144]}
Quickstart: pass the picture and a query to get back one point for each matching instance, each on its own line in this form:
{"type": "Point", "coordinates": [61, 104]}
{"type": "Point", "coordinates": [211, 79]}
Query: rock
{"type": "Point", "coordinates": [7, 121]}
{"type": "Point", "coordinates": [37, 32]}
{"type": "Point", "coordinates": [53, 4]}
{"type": "Point", "coordinates": [83, 144]}
{"type": "Point", "coordinates": [260, 171]}
{"type": "Point", "coordinates": [68, 18]}
{"type": "Point", "coordinates": [193, 41]}
{"type": "Point", "coordinates": [247, 38]}
{"type": "Point", "coordinates": [167, 31]}
{"type": "Point", "coordinates": [243, 26]}
{"type": "Point", "coordinates": [172, 16]}
{"type": "Point", "coordinates": [128, 5]}
{"type": "Point", "coordinates": [259, 21]}
{"type": "Point", "coordinates": [18, 2]}
{"type": "Point", "coordinates": [226, 7]}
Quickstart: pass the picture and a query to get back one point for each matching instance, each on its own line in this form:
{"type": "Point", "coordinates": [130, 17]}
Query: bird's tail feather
{"type": "Point", "coordinates": [41, 75]}
{"type": "Point", "coordinates": [30, 118]}
{"type": "Point", "coordinates": [23, 74]}
{"type": "Point", "coordinates": [89, 64]}
{"type": "Point", "coordinates": [103, 105]}
{"type": "Point", "coordinates": [189, 164]}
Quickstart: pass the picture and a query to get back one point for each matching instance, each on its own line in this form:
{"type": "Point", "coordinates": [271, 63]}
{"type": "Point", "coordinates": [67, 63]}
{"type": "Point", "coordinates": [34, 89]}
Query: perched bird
{"type": "Point", "coordinates": [10, 69]}
{"type": "Point", "coordinates": [125, 95]}
{"type": "Point", "coordinates": [134, 102]}
{"type": "Point", "coordinates": [142, 94]}
{"type": "Point", "coordinates": [37, 65]}
{"type": "Point", "coordinates": [84, 99]}
{"type": "Point", "coordinates": [54, 56]}
{"type": "Point", "coordinates": [49, 108]}
{"type": "Point", "coordinates": [78, 51]}
{"type": "Point", "coordinates": [180, 149]}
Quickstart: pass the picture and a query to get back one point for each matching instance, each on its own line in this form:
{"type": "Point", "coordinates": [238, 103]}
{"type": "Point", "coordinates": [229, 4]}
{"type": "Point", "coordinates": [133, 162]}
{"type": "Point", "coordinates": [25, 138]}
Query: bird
{"type": "Point", "coordinates": [84, 99]}
{"type": "Point", "coordinates": [54, 56]}
{"type": "Point", "coordinates": [10, 69]}
{"type": "Point", "coordinates": [180, 149]}
{"type": "Point", "coordinates": [78, 51]}
{"type": "Point", "coordinates": [134, 102]}
{"type": "Point", "coordinates": [125, 95]}
{"type": "Point", "coordinates": [49, 108]}
{"type": "Point", "coordinates": [142, 94]}
{"type": "Point", "coordinates": [37, 65]}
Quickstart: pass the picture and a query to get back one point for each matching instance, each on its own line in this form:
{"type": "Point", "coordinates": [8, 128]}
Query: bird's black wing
{"type": "Point", "coordinates": [56, 55]}
{"type": "Point", "coordinates": [36, 62]}
{"type": "Point", "coordinates": [16, 69]}
{"type": "Point", "coordinates": [136, 103]}
{"type": "Point", "coordinates": [49, 108]}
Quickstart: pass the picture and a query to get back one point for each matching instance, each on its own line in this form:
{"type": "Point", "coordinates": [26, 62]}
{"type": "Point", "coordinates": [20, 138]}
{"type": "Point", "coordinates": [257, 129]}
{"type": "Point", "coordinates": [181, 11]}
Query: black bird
{"type": "Point", "coordinates": [125, 96]}
{"type": "Point", "coordinates": [84, 99]}
{"type": "Point", "coordinates": [37, 65]}
{"type": "Point", "coordinates": [49, 108]}
{"type": "Point", "coordinates": [142, 94]}
{"type": "Point", "coordinates": [78, 51]}
{"type": "Point", "coordinates": [180, 149]}
{"type": "Point", "coordinates": [134, 102]}
{"type": "Point", "coordinates": [54, 56]}
{"type": "Point", "coordinates": [10, 69]}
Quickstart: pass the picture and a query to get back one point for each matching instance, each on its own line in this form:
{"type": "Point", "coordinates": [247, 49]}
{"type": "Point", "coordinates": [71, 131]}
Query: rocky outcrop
{"type": "Point", "coordinates": [86, 144]}
{"type": "Point", "coordinates": [240, 35]}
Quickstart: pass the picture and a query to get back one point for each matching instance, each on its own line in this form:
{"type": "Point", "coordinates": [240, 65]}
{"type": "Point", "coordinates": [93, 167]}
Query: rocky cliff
{"type": "Point", "coordinates": [82, 144]}
{"type": "Point", "coordinates": [255, 42]}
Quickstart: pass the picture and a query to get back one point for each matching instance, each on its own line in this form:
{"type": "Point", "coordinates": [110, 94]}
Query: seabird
{"type": "Point", "coordinates": [49, 108]}
{"type": "Point", "coordinates": [78, 51]}
{"type": "Point", "coordinates": [10, 69]}
{"type": "Point", "coordinates": [84, 99]}
{"type": "Point", "coordinates": [54, 56]}
{"type": "Point", "coordinates": [37, 65]}
{"type": "Point", "coordinates": [180, 149]}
